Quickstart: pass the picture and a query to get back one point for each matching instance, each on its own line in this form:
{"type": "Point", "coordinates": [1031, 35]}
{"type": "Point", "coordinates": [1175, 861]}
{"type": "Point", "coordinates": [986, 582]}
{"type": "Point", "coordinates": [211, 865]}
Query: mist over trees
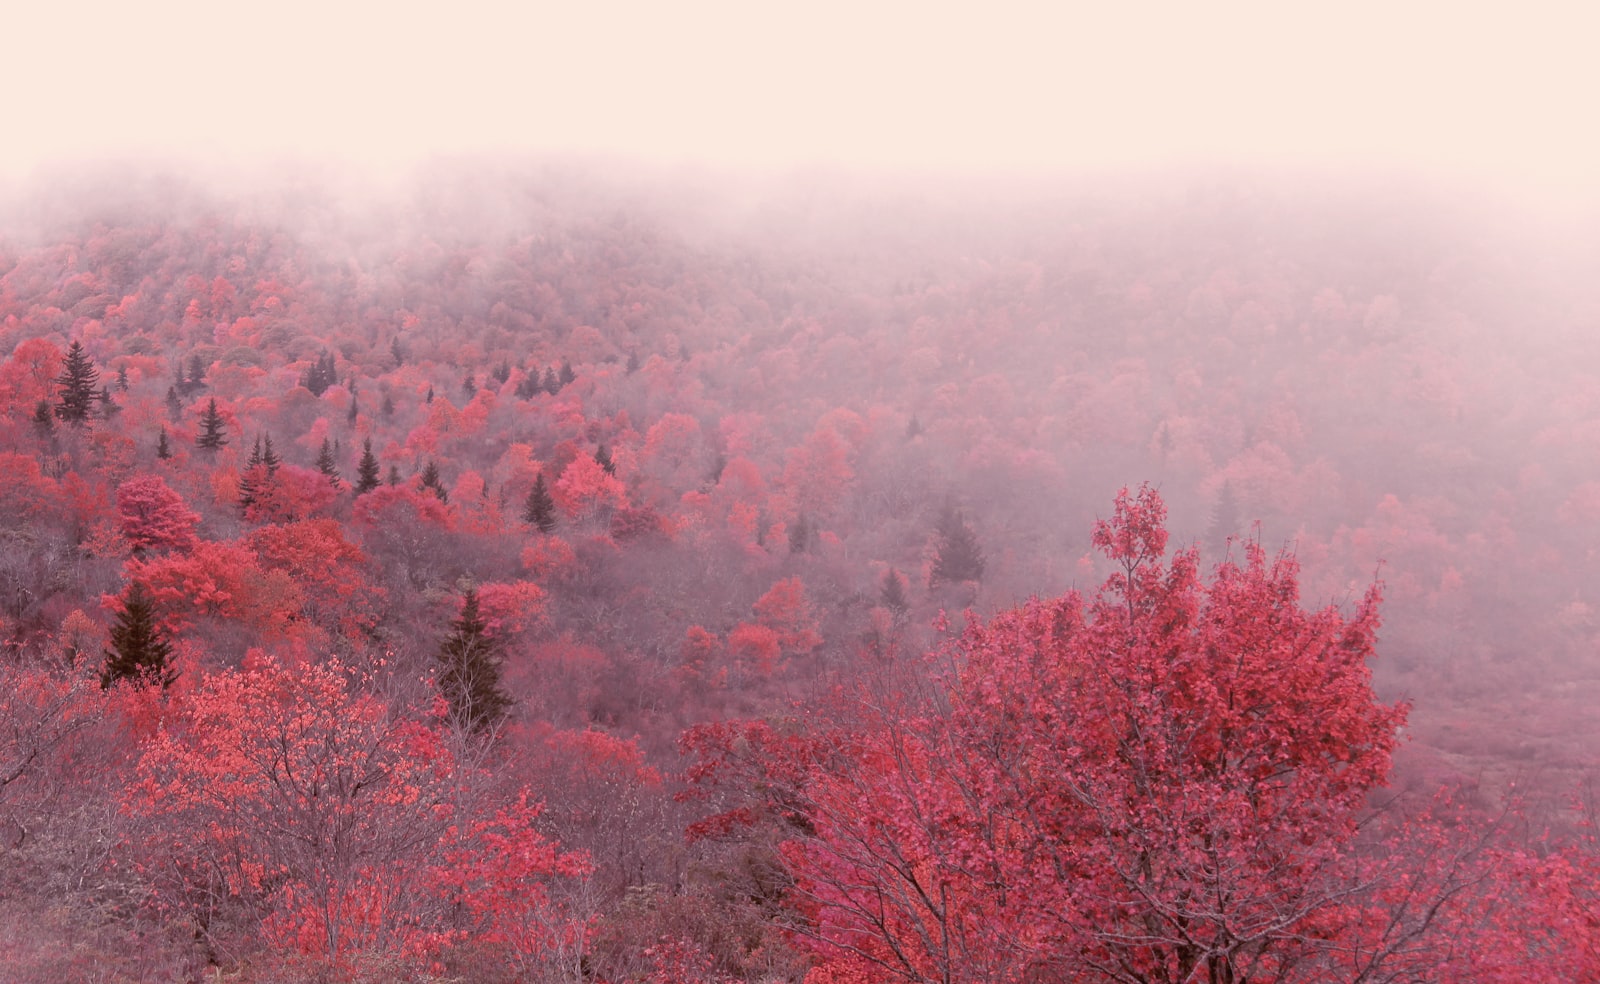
{"type": "Point", "coordinates": [541, 576]}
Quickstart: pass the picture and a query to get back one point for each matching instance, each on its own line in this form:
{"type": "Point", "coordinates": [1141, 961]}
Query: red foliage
{"type": "Point", "coordinates": [338, 823]}
{"type": "Point", "coordinates": [154, 517]}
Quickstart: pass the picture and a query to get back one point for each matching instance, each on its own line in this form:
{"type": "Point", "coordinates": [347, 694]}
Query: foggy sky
{"type": "Point", "coordinates": [934, 88]}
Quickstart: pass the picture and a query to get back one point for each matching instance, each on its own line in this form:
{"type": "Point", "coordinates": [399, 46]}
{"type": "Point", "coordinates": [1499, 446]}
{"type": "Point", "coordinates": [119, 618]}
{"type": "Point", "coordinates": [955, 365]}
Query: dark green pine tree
{"type": "Point", "coordinates": [327, 466]}
{"type": "Point", "coordinates": [367, 469]}
{"type": "Point", "coordinates": [122, 378]}
{"type": "Point", "coordinates": [138, 651]}
{"type": "Point", "coordinates": [44, 419]}
{"type": "Point", "coordinates": [355, 409]}
{"type": "Point", "coordinates": [502, 372]}
{"type": "Point", "coordinates": [174, 405]}
{"type": "Point", "coordinates": [632, 365]}
{"type": "Point", "coordinates": [468, 387]}
{"type": "Point", "coordinates": [398, 353]}
{"type": "Point", "coordinates": [893, 593]}
{"type": "Point", "coordinates": [163, 448]}
{"type": "Point", "coordinates": [566, 376]}
{"type": "Point", "coordinates": [250, 477]}
{"type": "Point", "coordinates": [602, 457]}
{"type": "Point", "coordinates": [469, 672]}
{"type": "Point", "coordinates": [108, 407]}
{"type": "Point", "coordinates": [432, 482]}
{"type": "Point", "coordinates": [552, 383]}
{"type": "Point", "coordinates": [213, 431]}
{"type": "Point", "coordinates": [540, 509]}
{"type": "Point", "coordinates": [800, 534]}
{"type": "Point", "coordinates": [394, 476]}
{"type": "Point", "coordinates": [959, 556]}
{"type": "Point", "coordinates": [197, 373]}
{"type": "Point", "coordinates": [388, 405]}
{"type": "Point", "coordinates": [77, 382]}
{"type": "Point", "coordinates": [269, 457]}
{"type": "Point", "coordinates": [429, 398]}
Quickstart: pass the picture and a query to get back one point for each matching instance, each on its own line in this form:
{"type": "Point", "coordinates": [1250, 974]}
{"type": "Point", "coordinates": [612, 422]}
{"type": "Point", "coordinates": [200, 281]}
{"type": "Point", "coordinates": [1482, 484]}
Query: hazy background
{"type": "Point", "coordinates": [1501, 98]}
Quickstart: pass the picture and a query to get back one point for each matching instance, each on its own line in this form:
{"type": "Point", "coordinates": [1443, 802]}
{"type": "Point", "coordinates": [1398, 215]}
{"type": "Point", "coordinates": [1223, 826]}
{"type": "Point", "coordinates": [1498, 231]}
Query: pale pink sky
{"type": "Point", "coordinates": [968, 88]}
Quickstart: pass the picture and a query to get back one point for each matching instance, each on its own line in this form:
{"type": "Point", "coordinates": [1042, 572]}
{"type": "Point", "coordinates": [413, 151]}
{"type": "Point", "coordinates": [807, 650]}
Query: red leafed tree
{"type": "Point", "coordinates": [1159, 783]}
{"type": "Point", "coordinates": [154, 517]}
{"type": "Point", "coordinates": [785, 611]}
{"type": "Point", "coordinates": [328, 570]}
{"type": "Point", "coordinates": [585, 489]}
{"type": "Point", "coordinates": [340, 825]}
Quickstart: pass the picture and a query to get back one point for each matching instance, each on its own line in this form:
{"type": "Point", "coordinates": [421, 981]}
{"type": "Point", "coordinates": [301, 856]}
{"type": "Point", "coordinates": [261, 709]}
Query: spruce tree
{"type": "Point", "coordinates": [250, 477]}
{"type": "Point", "coordinates": [108, 407]}
{"type": "Point", "coordinates": [469, 672]}
{"type": "Point", "coordinates": [44, 419]}
{"type": "Point", "coordinates": [197, 373]}
{"type": "Point", "coordinates": [174, 405]}
{"type": "Point", "coordinates": [567, 376]}
{"type": "Point", "coordinates": [122, 378]}
{"type": "Point", "coordinates": [355, 409]}
{"type": "Point", "coordinates": [540, 510]}
{"type": "Point", "coordinates": [77, 382]}
{"type": "Point", "coordinates": [213, 431]}
{"type": "Point", "coordinates": [138, 650]}
{"type": "Point", "coordinates": [602, 457]}
{"type": "Point", "coordinates": [394, 476]}
{"type": "Point", "coordinates": [367, 470]}
{"type": "Point", "coordinates": [432, 482]}
{"type": "Point", "coordinates": [959, 556]}
{"type": "Point", "coordinates": [163, 448]}
{"type": "Point", "coordinates": [552, 384]}
{"type": "Point", "coordinates": [892, 595]}
{"type": "Point", "coordinates": [326, 465]}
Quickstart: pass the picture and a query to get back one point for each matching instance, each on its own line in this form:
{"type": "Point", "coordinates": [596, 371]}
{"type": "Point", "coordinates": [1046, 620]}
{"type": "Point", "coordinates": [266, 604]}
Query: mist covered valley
{"type": "Point", "coordinates": [674, 504]}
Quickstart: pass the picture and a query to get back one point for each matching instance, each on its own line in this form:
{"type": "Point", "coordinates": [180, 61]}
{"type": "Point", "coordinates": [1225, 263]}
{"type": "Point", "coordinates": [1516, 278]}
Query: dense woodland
{"type": "Point", "coordinates": [536, 577]}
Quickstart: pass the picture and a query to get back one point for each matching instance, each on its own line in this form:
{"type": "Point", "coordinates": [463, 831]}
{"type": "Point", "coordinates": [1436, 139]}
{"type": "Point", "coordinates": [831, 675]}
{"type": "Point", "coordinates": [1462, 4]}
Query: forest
{"type": "Point", "coordinates": [541, 575]}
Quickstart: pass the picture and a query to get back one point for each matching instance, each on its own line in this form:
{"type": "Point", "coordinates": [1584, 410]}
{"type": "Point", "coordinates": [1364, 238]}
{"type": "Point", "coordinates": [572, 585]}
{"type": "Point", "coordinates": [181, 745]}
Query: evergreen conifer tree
{"type": "Point", "coordinates": [959, 556]}
{"type": "Point", "coordinates": [197, 373]}
{"type": "Point", "coordinates": [567, 376]}
{"type": "Point", "coordinates": [469, 672]}
{"type": "Point", "coordinates": [44, 419]}
{"type": "Point", "coordinates": [213, 431]}
{"type": "Point", "coordinates": [174, 405]}
{"type": "Point", "coordinates": [432, 482]}
{"type": "Point", "coordinates": [163, 448]}
{"type": "Point", "coordinates": [540, 510]}
{"type": "Point", "coordinates": [893, 593]}
{"type": "Point", "coordinates": [122, 378]}
{"type": "Point", "coordinates": [269, 457]}
{"type": "Point", "coordinates": [250, 477]}
{"type": "Point", "coordinates": [552, 384]}
{"type": "Point", "coordinates": [138, 650]}
{"type": "Point", "coordinates": [77, 382]}
{"type": "Point", "coordinates": [367, 470]}
{"type": "Point", "coordinates": [394, 476]}
{"type": "Point", "coordinates": [108, 407]}
{"type": "Point", "coordinates": [602, 457]}
{"type": "Point", "coordinates": [326, 465]}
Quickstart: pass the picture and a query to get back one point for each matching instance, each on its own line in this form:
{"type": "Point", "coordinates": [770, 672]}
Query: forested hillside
{"type": "Point", "coordinates": [529, 576]}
